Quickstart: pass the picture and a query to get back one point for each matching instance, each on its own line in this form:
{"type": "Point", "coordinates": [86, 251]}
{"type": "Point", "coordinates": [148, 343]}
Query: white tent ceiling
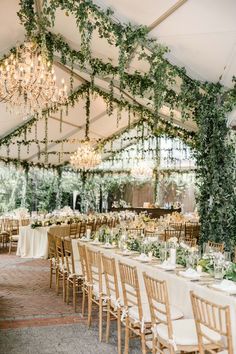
{"type": "Point", "coordinates": [201, 35]}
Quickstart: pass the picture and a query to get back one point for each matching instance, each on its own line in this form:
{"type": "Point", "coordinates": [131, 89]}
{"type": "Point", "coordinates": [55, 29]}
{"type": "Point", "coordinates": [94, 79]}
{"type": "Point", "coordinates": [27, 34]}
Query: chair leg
{"type": "Point", "coordinates": [83, 300]}
{"type": "Point", "coordinates": [143, 343]}
{"type": "Point", "coordinates": [74, 293]}
{"type": "Point", "coordinates": [100, 319]}
{"type": "Point", "coordinates": [126, 351]}
{"type": "Point", "coordinates": [51, 271]}
{"type": "Point", "coordinates": [67, 291]}
{"type": "Point", "coordinates": [119, 331]}
{"type": "Point", "coordinates": [10, 248]}
{"type": "Point", "coordinates": [89, 307]}
{"type": "Point", "coordinates": [57, 282]}
{"type": "Point", "coordinates": [64, 287]}
{"type": "Point", "coordinates": [108, 323]}
{"type": "Point", "coordinates": [154, 344]}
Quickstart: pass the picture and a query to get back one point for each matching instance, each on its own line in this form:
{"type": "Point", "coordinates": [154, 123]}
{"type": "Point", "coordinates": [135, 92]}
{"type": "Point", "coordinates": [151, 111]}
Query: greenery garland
{"type": "Point", "coordinates": [215, 158]}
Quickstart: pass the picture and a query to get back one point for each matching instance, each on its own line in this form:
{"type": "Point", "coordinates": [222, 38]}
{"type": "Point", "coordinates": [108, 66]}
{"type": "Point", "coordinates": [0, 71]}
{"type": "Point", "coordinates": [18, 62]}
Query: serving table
{"type": "Point", "coordinates": [33, 243]}
{"type": "Point", "coordinates": [178, 287]}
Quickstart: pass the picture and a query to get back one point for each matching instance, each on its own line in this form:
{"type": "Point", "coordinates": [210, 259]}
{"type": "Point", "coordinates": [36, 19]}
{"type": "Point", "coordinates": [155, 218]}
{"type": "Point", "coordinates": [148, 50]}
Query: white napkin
{"type": "Point", "coordinates": [190, 273]}
{"type": "Point", "coordinates": [143, 257]}
{"type": "Point", "coordinates": [167, 265]}
{"type": "Point", "coordinates": [226, 285]}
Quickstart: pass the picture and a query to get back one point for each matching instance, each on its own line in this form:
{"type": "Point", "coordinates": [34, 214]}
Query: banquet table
{"type": "Point", "coordinates": [33, 243]}
{"type": "Point", "coordinates": [178, 287]}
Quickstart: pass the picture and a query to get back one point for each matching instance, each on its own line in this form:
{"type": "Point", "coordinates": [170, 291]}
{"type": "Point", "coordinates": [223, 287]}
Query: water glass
{"type": "Point", "coordinates": [163, 254]}
{"type": "Point", "coordinates": [218, 271]}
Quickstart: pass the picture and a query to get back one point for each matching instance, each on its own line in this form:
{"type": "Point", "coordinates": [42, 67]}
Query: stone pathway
{"type": "Point", "coordinates": [33, 320]}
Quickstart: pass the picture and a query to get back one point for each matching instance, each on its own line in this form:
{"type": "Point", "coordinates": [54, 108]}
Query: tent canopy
{"type": "Point", "coordinates": [201, 36]}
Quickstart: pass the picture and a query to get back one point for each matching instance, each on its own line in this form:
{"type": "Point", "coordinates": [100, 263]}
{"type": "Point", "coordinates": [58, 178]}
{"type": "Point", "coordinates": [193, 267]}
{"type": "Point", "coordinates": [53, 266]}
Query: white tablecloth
{"type": "Point", "coordinates": [33, 243]}
{"type": "Point", "coordinates": [178, 287]}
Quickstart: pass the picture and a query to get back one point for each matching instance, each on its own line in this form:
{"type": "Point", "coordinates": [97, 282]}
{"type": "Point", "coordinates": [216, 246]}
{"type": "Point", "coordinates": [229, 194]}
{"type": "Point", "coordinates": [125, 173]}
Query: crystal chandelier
{"type": "Point", "coordinates": [28, 81]}
{"type": "Point", "coordinates": [86, 157]}
{"type": "Point", "coordinates": [141, 171]}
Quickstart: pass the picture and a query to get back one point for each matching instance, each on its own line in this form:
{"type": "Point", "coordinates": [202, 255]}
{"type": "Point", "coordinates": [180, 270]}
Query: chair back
{"type": "Point", "coordinates": [158, 302]}
{"type": "Point", "coordinates": [14, 227]}
{"type": "Point", "coordinates": [68, 252]}
{"type": "Point", "coordinates": [216, 247]}
{"type": "Point", "coordinates": [191, 242]}
{"type": "Point", "coordinates": [135, 231]}
{"type": "Point", "coordinates": [192, 230]}
{"type": "Point", "coordinates": [130, 287]}
{"type": "Point", "coordinates": [51, 246]}
{"type": "Point", "coordinates": [172, 233]}
{"type": "Point", "coordinates": [73, 230]}
{"type": "Point", "coordinates": [176, 226]}
{"type": "Point", "coordinates": [83, 261]}
{"type": "Point", "coordinates": [25, 222]}
{"type": "Point", "coordinates": [94, 269]}
{"type": "Point", "coordinates": [111, 280]}
{"type": "Point", "coordinates": [60, 251]}
{"type": "Point", "coordinates": [212, 317]}
{"type": "Point", "coordinates": [82, 229]}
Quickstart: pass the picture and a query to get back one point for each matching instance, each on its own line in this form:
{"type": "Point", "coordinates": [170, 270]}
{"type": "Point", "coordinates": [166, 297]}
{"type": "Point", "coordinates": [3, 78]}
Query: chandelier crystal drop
{"type": "Point", "coordinates": [28, 82]}
{"type": "Point", "coordinates": [86, 157]}
{"type": "Point", "coordinates": [141, 171]}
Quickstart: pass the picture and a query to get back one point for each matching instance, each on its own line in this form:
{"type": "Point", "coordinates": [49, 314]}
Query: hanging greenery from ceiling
{"type": "Point", "coordinates": [207, 104]}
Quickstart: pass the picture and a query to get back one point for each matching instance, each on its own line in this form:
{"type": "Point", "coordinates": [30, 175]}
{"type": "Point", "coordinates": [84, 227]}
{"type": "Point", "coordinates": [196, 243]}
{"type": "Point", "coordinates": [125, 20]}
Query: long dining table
{"type": "Point", "coordinates": [178, 287]}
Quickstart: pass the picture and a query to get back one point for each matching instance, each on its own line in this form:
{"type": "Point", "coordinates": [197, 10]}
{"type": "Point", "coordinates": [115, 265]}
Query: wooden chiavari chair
{"type": "Point", "coordinates": [113, 298]}
{"type": "Point", "coordinates": [85, 273]}
{"type": "Point", "coordinates": [213, 326]}
{"type": "Point", "coordinates": [61, 267]}
{"type": "Point", "coordinates": [191, 242]}
{"type": "Point", "coordinates": [191, 230]}
{"type": "Point", "coordinates": [13, 230]}
{"type": "Point", "coordinates": [171, 233]}
{"type": "Point", "coordinates": [73, 272]}
{"type": "Point", "coordinates": [82, 230]}
{"type": "Point", "coordinates": [136, 320]}
{"type": "Point", "coordinates": [4, 234]}
{"type": "Point", "coordinates": [216, 247]}
{"type": "Point", "coordinates": [74, 230]}
{"type": "Point", "coordinates": [52, 256]}
{"type": "Point", "coordinates": [96, 294]}
{"type": "Point", "coordinates": [175, 335]}
{"type": "Point", "coordinates": [25, 222]}
{"type": "Point", "coordinates": [176, 226]}
{"type": "Point", "coordinates": [135, 231]}
{"type": "Point", "coordinates": [149, 233]}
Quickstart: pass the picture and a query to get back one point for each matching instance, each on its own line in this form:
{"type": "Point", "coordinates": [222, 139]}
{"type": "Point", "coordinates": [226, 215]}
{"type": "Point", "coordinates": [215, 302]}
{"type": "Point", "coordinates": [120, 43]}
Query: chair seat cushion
{"type": "Point", "coordinates": [133, 312]}
{"type": "Point", "coordinates": [184, 332]}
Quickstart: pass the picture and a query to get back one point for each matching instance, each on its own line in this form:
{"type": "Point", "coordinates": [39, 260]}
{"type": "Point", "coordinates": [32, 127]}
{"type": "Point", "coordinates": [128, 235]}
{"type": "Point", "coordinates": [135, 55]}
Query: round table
{"type": "Point", "coordinates": [33, 243]}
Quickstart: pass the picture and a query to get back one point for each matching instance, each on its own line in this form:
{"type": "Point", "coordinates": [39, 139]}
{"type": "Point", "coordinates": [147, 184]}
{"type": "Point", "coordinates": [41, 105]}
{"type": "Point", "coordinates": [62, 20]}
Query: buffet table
{"type": "Point", "coordinates": [33, 243]}
{"type": "Point", "coordinates": [178, 287]}
{"type": "Point", "coordinates": [154, 213]}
